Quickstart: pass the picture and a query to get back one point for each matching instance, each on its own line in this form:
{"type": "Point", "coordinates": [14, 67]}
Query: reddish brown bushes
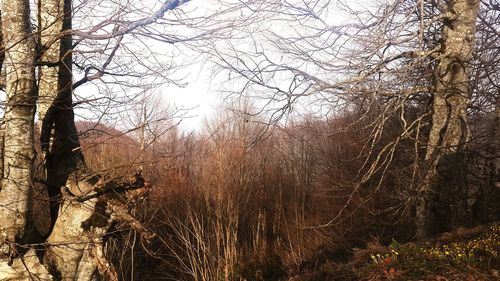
{"type": "Point", "coordinates": [232, 204]}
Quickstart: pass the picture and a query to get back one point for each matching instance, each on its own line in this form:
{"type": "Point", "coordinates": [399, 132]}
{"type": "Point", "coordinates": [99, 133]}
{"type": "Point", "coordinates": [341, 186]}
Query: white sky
{"type": "Point", "coordinates": [196, 100]}
{"type": "Point", "coordinates": [202, 93]}
{"type": "Point", "coordinates": [199, 96]}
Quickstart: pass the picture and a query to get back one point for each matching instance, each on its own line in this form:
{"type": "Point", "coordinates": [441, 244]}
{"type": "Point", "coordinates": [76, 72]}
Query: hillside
{"type": "Point", "coordinates": [464, 254]}
{"type": "Point", "coordinates": [107, 149]}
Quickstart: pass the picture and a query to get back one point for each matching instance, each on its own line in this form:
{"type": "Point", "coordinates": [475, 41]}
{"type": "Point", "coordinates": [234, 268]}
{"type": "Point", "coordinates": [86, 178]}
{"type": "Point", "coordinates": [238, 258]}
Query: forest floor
{"type": "Point", "coordinates": [470, 254]}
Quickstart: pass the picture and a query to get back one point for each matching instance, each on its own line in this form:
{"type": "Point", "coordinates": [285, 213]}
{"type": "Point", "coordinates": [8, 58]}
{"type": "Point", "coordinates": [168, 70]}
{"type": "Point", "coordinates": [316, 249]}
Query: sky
{"type": "Point", "coordinates": [200, 97]}
{"type": "Point", "coordinates": [196, 99]}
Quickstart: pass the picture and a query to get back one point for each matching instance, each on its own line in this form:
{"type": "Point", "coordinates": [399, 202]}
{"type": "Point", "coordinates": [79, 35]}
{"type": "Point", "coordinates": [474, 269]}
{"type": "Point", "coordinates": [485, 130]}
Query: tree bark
{"type": "Point", "coordinates": [55, 106]}
{"type": "Point", "coordinates": [449, 132]}
{"type": "Point", "coordinates": [18, 148]}
{"type": "Point", "coordinates": [70, 238]}
{"type": "Point", "coordinates": [84, 212]}
{"type": "Point", "coordinates": [50, 25]}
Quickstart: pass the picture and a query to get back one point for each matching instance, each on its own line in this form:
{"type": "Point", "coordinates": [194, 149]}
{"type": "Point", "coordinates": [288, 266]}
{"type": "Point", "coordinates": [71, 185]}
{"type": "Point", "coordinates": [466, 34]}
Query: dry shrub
{"type": "Point", "coordinates": [235, 204]}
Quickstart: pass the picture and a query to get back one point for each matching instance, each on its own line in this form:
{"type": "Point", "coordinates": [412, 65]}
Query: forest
{"type": "Point", "coordinates": [352, 140]}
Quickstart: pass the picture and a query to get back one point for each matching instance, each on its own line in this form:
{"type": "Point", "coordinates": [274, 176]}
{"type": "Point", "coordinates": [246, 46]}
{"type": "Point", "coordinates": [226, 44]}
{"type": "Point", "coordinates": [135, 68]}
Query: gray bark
{"type": "Point", "coordinates": [18, 149]}
{"type": "Point", "coordinates": [83, 213]}
{"type": "Point", "coordinates": [449, 132]}
{"type": "Point", "coordinates": [74, 236]}
{"type": "Point", "coordinates": [50, 25]}
{"type": "Point", "coordinates": [27, 268]}
{"type": "Point", "coordinates": [2, 86]}
{"type": "Point", "coordinates": [69, 239]}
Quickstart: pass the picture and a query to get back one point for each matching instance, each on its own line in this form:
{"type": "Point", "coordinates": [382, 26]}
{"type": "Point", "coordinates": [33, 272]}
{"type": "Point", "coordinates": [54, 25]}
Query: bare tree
{"type": "Point", "coordinates": [451, 96]}
{"type": "Point", "coordinates": [410, 63]}
{"type": "Point", "coordinates": [83, 205]}
{"type": "Point", "coordinates": [18, 149]}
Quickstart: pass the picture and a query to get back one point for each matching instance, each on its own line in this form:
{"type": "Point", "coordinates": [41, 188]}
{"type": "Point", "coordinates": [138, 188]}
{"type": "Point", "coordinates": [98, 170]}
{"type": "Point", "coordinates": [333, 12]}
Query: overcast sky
{"type": "Point", "coordinates": [202, 93]}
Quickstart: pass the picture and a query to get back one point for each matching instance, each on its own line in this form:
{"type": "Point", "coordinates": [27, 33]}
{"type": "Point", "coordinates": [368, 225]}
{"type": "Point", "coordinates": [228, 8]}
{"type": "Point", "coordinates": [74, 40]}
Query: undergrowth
{"type": "Point", "coordinates": [475, 258]}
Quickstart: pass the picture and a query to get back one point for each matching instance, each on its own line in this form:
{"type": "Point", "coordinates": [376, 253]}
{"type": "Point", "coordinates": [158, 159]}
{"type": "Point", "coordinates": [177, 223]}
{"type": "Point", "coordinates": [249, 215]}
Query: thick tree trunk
{"type": "Point", "coordinates": [2, 57]}
{"type": "Point", "coordinates": [83, 213]}
{"type": "Point", "coordinates": [449, 132]}
{"type": "Point", "coordinates": [73, 232]}
{"type": "Point", "coordinates": [55, 107]}
{"type": "Point", "coordinates": [18, 149]}
{"type": "Point", "coordinates": [2, 86]}
{"type": "Point", "coordinates": [70, 241]}
{"type": "Point", "coordinates": [50, 25]}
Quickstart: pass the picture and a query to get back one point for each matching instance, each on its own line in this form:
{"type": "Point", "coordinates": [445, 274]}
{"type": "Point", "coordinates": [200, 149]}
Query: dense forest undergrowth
{"type": "Point", "coordinates": [463, 254]}
{"type": "Point", "coordinates": [233, 204]}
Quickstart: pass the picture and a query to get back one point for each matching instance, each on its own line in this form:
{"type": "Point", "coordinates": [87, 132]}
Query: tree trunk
{"type": "Point", "coordinates": [449, 132]}
{"type": "Point", "coordinates": [82, 205]}
{"type": "Point", "coordinates": [73, 234]}
{"type": "Point", "coordinates": [18, 148]}
{"type": "Point", "coordinates": [74, 248]}
{"type": "Point", "coordinates": [55, 106]}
